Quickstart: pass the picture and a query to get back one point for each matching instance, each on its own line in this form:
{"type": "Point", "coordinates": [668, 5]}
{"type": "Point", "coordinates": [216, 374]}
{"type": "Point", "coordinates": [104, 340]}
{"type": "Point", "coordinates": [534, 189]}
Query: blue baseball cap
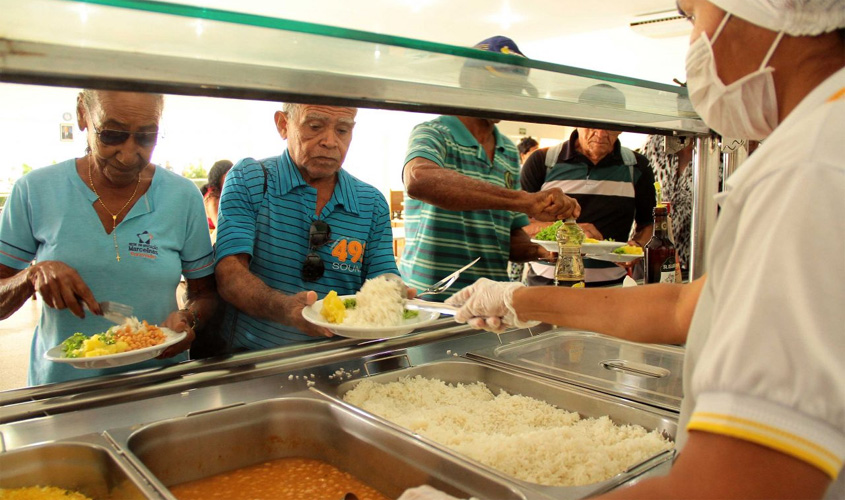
{"type": "Point", "coordinates": [516, 75]}
{"type": "Point", "coordinates": [499, 43]}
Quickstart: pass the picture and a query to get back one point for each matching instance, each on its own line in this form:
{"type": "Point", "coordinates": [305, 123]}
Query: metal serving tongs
{"type": "Point", "coordinates": [424, 305]}
{"type": "Point", "coordinates": [440, 286]}
{"type": "Point", "coordinates": [446, 282]}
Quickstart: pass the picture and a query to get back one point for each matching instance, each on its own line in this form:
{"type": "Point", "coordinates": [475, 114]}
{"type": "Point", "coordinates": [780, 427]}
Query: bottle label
{"type": "Point", "coordinates": [667, 270]}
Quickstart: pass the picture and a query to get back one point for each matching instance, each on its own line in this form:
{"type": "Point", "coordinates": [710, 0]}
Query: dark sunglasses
{"type": "Point", "coordinates": [318, 235]}
{"type": "Point", "coordinates": [117, 137]}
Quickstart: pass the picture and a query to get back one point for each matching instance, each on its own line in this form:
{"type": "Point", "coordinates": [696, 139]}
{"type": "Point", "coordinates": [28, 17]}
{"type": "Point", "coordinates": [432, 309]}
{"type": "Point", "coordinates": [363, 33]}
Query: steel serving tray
{"type": "Point", "coordinates": [647, 373]}
{"type": "Point", "coordinates": [587, 403]}
{"type": "Point", "coordinates": [198, 446]}
{"type": "Point", "coordinates": [85, 464]}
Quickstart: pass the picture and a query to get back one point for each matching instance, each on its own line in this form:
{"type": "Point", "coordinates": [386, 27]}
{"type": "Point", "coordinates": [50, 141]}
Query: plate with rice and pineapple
{"type": "Point", "coordinates": [125, 344]}
{"type": "Point", "coordinates": [625, 253]}
{"type": "Point", "coordinates": [377, 311]}
{"type": "Point", "coordinates": [547, 238]}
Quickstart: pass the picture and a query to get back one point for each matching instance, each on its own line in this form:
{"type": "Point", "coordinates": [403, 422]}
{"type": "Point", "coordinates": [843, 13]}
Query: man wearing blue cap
{"type": "Point", "coordinates": [462, 179]}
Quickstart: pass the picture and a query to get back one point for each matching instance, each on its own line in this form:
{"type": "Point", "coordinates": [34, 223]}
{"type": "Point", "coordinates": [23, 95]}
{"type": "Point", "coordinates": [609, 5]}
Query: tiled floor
{"type": "Point", "coordinates": [15, 337]}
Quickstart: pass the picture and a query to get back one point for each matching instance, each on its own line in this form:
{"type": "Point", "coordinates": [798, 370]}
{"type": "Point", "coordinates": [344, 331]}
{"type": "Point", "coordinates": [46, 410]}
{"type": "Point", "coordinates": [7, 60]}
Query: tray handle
{"type": "Point", "coordinates": [385, 359]}
{"type": "Point", "coordinates": [631, 368]}
{"type": "Point", "coordinates": [210, 410]}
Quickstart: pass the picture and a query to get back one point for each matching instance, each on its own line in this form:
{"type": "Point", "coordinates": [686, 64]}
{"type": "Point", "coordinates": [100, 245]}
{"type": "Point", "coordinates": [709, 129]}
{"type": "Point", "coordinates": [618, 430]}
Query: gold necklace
{"type": "Point", "coordinates": [113, 216]}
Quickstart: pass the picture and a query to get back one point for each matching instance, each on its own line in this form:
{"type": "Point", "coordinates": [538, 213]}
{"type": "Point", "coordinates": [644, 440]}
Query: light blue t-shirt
{"type": "Point", "coordinates": [270, 223]}
{"type": "Point", "coordinates": [50, 216]}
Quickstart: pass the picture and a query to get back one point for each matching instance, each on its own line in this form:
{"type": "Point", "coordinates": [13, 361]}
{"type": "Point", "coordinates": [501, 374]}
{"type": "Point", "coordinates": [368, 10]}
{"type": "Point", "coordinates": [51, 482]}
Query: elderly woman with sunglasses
{"type": "Point", "coordinates": [109, 226]}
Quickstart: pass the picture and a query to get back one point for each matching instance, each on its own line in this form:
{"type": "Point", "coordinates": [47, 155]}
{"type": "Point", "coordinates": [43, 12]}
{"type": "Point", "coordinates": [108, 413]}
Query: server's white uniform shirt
{"type": "Point", "coordinates": [765, 356]}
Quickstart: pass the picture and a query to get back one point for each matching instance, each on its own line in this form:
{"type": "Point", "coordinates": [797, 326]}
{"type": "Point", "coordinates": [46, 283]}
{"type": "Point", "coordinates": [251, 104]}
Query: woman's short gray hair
{"type": "Point", "coordinates": [91, 98]}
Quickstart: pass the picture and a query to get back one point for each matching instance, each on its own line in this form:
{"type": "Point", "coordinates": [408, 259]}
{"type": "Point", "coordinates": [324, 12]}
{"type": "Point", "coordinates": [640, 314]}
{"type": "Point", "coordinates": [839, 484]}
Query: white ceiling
{"type": "Point", "coordinates": [456, 22]}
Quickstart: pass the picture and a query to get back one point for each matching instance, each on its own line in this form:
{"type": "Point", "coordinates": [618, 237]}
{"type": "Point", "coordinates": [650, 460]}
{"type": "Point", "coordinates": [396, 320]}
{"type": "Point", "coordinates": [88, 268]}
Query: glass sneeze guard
{"type": "Point", "coordinates": [171, 48]}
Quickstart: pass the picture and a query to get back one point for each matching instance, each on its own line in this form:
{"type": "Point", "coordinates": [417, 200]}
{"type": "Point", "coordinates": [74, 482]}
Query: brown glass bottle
{"type": "Point", "coordinates": [660, 251]}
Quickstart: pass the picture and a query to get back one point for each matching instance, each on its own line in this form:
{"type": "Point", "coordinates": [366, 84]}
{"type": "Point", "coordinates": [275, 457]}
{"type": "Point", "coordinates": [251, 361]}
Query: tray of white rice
{"type": "Point", "coordinates": [562, 441]}
{"type": "Point", "coordinates": [377, 311]}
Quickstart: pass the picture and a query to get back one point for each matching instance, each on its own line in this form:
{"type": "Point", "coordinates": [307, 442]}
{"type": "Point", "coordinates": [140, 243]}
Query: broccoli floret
{"type": "Point", "coordinates": [73, 343]}
{"type": "Point", "coordinates": [406, 314]}
{"type": "Point", "coordinates": [349, 303]}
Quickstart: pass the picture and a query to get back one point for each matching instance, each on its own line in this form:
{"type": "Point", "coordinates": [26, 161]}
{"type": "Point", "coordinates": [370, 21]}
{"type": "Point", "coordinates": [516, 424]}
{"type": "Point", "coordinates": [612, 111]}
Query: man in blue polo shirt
{"type": "Point", "coordinates": [295, 226]}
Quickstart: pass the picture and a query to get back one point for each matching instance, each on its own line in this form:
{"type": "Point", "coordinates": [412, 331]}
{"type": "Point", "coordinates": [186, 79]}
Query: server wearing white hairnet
{"type": "Point", "coordinates": [764, 378]}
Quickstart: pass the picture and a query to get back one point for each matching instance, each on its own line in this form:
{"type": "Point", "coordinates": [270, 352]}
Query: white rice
{"type": "Point", "coordinates": [523, 437]}
{"type": "Point", "coordinates": [380, 302]}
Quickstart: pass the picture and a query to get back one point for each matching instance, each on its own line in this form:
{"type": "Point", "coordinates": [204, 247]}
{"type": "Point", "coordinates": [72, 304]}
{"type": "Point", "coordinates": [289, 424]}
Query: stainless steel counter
{"type": "Point", "coordinates": [79, 407]}
{"type": "Point", "coordinates": [64, 413]}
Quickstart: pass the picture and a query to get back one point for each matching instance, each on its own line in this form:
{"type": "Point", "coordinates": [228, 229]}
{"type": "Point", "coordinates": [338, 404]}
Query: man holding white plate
{"type": "Point", "coordinates": [613, 185]}
{"type": "Point", "coordinates": [294, 226]}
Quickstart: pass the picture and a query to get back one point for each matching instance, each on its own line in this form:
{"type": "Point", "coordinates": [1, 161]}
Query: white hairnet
{"type": "Point", "coordinates": [794, 17]}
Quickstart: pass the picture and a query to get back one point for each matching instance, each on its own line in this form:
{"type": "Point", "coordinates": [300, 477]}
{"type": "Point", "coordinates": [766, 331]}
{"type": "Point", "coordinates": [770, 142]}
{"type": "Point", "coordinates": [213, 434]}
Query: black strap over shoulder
{"type": "Point", "coordinates": [265, 176]}
{"type": "Point", "coordinates": [215, 341]}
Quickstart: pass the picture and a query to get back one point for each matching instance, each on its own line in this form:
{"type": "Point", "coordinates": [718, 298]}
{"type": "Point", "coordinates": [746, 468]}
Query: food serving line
{"type": "Point", "coordinates": [132, 436]}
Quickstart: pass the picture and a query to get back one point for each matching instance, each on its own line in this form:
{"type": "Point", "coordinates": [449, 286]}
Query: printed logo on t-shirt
{"type": "Point", "coordinates": [510, 182]}
{"type": "Point", "coordinates": [145, 238]}
{"type": "Point", "coordinates": [349, 255]}
{"type": "Point", "coordinates": [144, 247]}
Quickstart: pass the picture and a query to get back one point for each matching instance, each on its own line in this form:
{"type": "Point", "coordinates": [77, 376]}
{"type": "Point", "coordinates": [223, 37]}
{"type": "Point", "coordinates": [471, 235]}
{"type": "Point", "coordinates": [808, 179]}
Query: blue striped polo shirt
{"type": "Point", "coordinates": [271, 224]}
{"type": "Point", "coordinates": [439, 241]}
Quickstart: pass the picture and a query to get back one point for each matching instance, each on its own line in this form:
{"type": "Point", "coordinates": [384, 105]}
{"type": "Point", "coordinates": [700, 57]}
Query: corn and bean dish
{"type": "Point", "coordinates": [130, 336]}
{"type": "Point", "coordinates": [281, 479]}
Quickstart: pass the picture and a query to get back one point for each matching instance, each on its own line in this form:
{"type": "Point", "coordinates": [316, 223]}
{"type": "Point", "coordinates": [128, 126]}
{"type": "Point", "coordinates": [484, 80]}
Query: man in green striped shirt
{"type": "Point", "coordinates": [463, 200]}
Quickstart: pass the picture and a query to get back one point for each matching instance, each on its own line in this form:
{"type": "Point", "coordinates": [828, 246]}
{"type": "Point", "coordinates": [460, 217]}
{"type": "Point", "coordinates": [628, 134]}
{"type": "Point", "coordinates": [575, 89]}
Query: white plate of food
{"type": "Point", "coordinates": [618, 256]}
{"type": "Point", "coordinates": [599, 247]}
{"type": "Point", "coordinates": [420, 319]}
{"type": "Point", "coordinates": [57, 354]}
{"type": "Point", "coordinates": [589, 247]}
{"type": "Point", "coordinates": [550, 245]}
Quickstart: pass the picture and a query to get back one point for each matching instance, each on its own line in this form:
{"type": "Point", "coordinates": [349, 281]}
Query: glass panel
{"type": "Point", "coordinates": [139, 45]}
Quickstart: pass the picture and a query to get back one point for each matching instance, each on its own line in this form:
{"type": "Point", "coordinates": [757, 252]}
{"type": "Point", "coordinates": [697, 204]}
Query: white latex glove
{"type": "Point", "coordinates": [488, 305]}
{"type": "Point", "coordinates": [425, 492]}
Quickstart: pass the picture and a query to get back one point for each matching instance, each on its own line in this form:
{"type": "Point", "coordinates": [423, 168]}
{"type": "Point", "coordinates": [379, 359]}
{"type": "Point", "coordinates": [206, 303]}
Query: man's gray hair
{"type": "Point", "coordinates": [292, 110]}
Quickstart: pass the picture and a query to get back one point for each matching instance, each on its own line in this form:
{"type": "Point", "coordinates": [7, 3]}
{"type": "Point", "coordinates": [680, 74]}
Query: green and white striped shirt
{"type": "Point", "coordinates": [439, 241]}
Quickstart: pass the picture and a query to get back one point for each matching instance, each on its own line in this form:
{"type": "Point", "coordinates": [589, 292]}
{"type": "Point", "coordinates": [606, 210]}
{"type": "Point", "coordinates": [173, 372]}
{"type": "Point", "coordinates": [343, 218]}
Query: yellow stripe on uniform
{"type": "Point", "coordinates": [770, 437]}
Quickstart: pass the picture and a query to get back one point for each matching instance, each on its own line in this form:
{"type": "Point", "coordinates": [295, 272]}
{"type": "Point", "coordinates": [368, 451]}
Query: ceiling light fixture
{"type": "Point", "coordinates": [418, 5]}
{"type": "Point", "coordinates": [506, 17]}
{"type": "Point", "coordinates": [83, 13]}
